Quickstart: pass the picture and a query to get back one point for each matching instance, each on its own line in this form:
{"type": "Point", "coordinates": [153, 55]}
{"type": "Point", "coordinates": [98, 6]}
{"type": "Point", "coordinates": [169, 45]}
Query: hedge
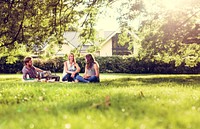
{"type": "Point", "coordinates": [113, 64]}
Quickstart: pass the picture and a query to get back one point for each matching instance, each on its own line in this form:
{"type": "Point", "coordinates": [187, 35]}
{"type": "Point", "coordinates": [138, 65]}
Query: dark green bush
{"type": "Point", "coordinates": [114, 64]}
{"type": "Point", "coordinates": [11, 68]}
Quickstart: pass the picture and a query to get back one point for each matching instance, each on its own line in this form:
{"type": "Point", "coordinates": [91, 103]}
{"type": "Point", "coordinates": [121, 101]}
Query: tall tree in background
{"type": "Point", "coordinates": [28, 25]}
{"type": "Point", "coordinates": [162, 27]}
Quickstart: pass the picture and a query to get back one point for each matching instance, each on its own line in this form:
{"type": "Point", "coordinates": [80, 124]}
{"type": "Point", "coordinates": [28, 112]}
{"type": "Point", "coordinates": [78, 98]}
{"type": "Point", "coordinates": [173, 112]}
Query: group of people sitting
{"type": "Point", "coordinates": [70, 71]}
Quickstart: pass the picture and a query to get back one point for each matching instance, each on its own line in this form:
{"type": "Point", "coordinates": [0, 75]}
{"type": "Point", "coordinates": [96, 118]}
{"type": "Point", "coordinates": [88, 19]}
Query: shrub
{"type": "Point", "coordinates": [112, 64]}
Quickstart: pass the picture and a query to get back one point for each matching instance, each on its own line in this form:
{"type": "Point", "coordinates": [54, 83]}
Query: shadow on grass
{"type": "Point", "coordinates": [134, 81]}
{"type": "Point", "coordinates": [117, 102]}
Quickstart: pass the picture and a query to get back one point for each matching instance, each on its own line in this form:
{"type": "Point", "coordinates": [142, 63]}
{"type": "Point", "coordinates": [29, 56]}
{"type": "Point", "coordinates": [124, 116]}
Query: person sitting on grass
{"type": "Point", "coordinates": [31, 72]}
{"type": "Point", "coordinates": [91, 70]}
{"type": "Point", "coordinates": [71, 69]}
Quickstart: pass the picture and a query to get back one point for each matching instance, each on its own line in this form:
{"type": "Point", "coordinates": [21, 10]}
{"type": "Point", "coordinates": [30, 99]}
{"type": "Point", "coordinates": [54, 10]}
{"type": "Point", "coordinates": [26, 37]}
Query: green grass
{"type": "Point", "coordinates": [120, 101]}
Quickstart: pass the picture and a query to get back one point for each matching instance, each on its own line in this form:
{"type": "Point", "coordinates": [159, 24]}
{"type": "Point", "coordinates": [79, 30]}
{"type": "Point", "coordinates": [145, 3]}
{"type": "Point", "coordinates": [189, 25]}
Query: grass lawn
{"type": "Point", "coordinates": [120, 101]}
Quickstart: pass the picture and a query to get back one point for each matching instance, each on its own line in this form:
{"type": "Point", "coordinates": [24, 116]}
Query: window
{"type": "Point", "coordinates": [118, 49]}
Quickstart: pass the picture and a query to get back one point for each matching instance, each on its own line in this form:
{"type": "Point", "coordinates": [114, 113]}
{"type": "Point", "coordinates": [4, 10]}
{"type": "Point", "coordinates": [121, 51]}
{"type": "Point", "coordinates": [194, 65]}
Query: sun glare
{"type": "Point", "coordinates": [172, 4]}
{"type": "Point", "coordinates": [108, 21]}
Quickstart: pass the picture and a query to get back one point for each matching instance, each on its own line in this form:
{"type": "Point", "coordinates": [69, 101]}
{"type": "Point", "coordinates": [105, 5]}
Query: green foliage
{"type": "Point", "coordinates": [30, 25]}
{"type": "Point", "coordinates": [120, 101]}
{"type": "Point", "coordinates": [161, 30]}
{"type": "Point", "coordinates": [14, 67]}
{"type": "Point", "coordinates": [114, 64]}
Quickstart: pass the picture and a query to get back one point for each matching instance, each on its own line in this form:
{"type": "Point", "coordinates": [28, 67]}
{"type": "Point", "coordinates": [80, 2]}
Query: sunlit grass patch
{"type": "Point", "coordinates": [122, 101]}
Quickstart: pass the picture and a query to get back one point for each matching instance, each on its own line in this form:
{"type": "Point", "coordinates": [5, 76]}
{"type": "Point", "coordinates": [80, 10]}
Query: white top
{"type": "Point", "coordinates": [71, 67]}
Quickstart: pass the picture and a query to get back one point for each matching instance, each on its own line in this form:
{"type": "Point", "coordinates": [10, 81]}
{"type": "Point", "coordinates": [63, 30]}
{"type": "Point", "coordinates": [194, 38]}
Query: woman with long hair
{"type": "Point", "coordinates": [71, 69]}
{"type": "Point", "coordinates": [91, 70]}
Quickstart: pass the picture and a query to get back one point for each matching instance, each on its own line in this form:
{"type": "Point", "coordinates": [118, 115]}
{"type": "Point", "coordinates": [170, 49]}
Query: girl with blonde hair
{"type": "Point", "coordinates": [71, 69]}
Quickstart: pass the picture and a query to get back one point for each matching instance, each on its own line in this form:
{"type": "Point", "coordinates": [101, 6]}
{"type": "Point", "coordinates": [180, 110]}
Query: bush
{"type": "Point", "coordinates": [11, 68]}
{"type": "Point", "coordinates": [112, 64]}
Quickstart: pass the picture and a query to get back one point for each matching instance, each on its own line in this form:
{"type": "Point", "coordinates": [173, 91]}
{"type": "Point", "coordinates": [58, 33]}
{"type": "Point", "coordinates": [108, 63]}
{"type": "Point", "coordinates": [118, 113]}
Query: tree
{"type": "Point", "coordinates": [193, 36]}
{"type": "Point", "coordinates": [162, 29]}
{"type": "Point", "coordinates": [28, 25]}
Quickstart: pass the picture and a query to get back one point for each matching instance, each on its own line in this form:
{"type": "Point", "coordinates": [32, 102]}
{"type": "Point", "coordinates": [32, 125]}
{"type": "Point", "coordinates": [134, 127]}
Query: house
{"type": "Point", "coordinates": [108, 47]}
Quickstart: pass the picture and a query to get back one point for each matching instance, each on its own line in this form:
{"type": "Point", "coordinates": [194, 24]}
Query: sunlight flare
{"type": "Point", "coordinates": [171, 4]}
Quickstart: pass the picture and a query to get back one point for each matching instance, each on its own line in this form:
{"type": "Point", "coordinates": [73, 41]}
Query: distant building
{"type": "Point", "coordinates": [108, 47]}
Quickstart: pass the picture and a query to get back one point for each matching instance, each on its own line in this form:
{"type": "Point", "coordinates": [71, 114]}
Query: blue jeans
{"type": "Point", "coordinates": [68, 77]}
{"type": "Point", "coordinates": [90, 79]}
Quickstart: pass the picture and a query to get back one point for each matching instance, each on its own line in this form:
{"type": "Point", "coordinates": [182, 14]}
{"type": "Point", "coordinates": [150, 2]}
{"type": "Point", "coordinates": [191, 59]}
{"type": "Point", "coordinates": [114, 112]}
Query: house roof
{"type": "Point", "coordinates": [109, 36]}
{"type": "Point", "coordinates": [74, 40]}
